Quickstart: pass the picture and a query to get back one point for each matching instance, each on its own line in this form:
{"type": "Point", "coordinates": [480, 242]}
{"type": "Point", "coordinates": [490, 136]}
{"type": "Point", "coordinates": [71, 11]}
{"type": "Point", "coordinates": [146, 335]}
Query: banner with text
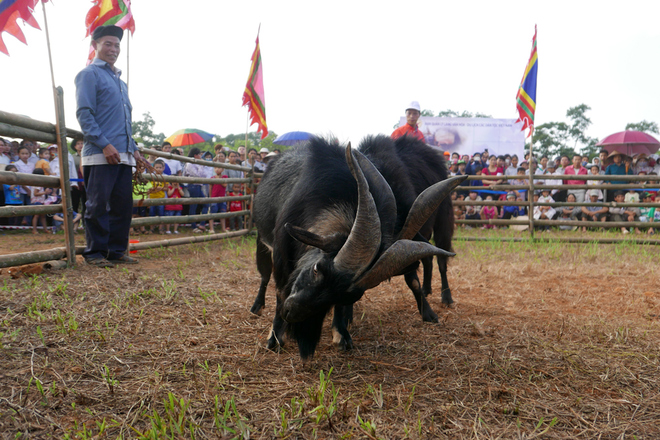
{"type": "Point", "coordinates": [472, 135]}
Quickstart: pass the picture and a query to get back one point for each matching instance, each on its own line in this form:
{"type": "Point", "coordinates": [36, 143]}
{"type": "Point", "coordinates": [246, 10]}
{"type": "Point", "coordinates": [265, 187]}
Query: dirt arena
{"type": "Point", "coordinates": [545, 341]}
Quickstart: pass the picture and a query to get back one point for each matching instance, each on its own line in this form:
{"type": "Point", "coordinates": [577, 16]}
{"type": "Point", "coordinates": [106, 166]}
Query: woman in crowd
{"type": "Point", "coordinates": [195, 190]}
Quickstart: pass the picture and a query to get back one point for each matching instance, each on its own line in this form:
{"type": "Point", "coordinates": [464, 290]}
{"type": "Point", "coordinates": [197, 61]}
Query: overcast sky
{"type": "Point", "coordinates": [350, 67]}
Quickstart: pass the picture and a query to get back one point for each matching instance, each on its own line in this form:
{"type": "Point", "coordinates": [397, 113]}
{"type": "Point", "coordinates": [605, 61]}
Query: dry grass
{"type": "Point", "coordinates": [546, 341]}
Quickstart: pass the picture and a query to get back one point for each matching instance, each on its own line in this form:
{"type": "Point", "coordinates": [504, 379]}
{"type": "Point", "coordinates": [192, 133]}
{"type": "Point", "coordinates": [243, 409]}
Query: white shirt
{"type": "Point", "coordinates": [175, 165]}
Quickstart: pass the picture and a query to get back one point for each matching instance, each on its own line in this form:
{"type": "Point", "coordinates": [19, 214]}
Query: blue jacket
{"type": "Point", "coordinates": [104, 110]}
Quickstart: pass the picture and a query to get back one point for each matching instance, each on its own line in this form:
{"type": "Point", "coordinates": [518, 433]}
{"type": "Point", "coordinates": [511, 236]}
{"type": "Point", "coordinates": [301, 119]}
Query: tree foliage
{"type": "Point", "coordinates": [143, 131]}
{"type": "Point", "coordinates": [561, 138]}
{"type": "Point", "coordinates": [644, 126]}
{"type": "Point", "coordinates": [464, 114]}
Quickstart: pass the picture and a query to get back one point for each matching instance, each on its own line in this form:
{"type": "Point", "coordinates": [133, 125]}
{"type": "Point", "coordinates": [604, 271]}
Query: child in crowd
{"type": "Point", "coordinates": [631, 196]}
{"type": "Point", "coordinates": [488, 213]}
{"type": "Point", "coordinates": [218, 190]}
{"type": "Point", "coordinates": [520, 181]}
{"type": "Point", "coordinates": [595, 171]}
{"type": "Point", "coordinates": [174, 191]}
{"type": "Point", "coordinates": [459, 213]}
{"type": "Point", "coordinates": [593, 213]}
{"type": "Point", "coordinates": [647, 214]}
{"type": "Point", "coordinates": [235, 223]}
{"type": "Point", "coordinates": [139, 190]}
{"type": "Point", "coordinates": [12, 194]}
{"type": "Point", "coordinates": [570, 213]}
{"type": "Point", "coordinates": [544, 212]}
{"type": "Point", "coordinates": [38, 197]}
{"type": "Point", "coordinates": [58, 220]}
{"type": "Point", "coordinates": [157, 191]}
{"type": "Point", "coordinates": [621, 214]}
{"type": "Point", "coordinates": [472, 211]}
{"type": "Point", "coordinates": [44, 161]}
{"type": "Point", "coordinates": [509, 212]}
{"type": "Point", "coordinates": [24, 165]}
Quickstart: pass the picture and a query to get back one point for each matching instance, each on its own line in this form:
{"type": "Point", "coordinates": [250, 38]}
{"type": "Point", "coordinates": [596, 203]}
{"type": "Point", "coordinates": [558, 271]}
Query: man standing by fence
{"type": "Point", "coordinates": [109, 152]}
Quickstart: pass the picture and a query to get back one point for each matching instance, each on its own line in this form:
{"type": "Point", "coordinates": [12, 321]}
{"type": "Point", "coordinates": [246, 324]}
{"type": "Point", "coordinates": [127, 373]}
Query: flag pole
{"type": "Point", "coordinates": [530, 214]}
{"type": "Point", "coordinates": [62, 155]}
{"type": "Point", "coordinates": [128, 60]}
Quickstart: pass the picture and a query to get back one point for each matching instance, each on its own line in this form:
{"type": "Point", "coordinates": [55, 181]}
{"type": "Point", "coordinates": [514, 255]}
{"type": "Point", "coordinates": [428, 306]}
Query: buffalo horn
{"type": "Point", "coordinates": [396, 258]}
{"type": "Point", "coordinates": [364, 240]}
{"type": "Point", "coordinates": [387, 206]}
{"type": "Point", "coordinates": [330, 243]}
{"type": "Point", "coordinates": [425, 204]}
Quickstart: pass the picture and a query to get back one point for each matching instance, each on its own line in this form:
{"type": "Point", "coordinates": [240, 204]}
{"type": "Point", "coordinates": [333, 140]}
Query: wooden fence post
{"type": "Point", "coordinates": [65, 183]}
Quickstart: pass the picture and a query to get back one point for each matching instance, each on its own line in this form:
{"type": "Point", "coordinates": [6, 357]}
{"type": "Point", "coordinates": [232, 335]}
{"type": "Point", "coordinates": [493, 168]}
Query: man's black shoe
{"type": "Point", "coordinates": [99, 262]}
{"type": "Point", "coordinates": [124, 259]}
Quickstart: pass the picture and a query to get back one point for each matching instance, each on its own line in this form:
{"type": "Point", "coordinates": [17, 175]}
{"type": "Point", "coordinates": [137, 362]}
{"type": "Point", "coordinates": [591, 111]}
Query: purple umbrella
{"type": "Point", "coordinates": [292, 138]}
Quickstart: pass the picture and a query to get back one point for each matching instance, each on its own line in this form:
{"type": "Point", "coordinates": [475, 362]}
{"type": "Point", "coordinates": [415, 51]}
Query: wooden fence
{"type": "Point", "coordinates": [646, 182]}
{"type": "Point", "coordinates": [16, 126]}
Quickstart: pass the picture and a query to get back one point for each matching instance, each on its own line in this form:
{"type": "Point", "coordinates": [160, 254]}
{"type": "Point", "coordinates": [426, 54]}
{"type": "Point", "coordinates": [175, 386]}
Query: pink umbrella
{"type": "Point", "coordinates": [630, 142]}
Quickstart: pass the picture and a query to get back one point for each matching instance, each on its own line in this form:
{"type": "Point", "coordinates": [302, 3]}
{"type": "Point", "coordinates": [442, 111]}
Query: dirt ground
{"type": "Point", "coordinates": [545, 341]}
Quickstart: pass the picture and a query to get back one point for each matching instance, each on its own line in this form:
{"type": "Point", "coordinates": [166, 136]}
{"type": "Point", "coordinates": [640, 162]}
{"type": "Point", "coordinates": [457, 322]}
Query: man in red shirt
{"type": "Point", "coordinates": [411, 129]}
{"type": "Point", "coordinates": [576, 169]}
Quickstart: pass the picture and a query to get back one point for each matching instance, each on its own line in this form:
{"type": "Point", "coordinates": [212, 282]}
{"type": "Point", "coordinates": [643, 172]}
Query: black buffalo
{"type": "Point", "coordinates": [334, 222]}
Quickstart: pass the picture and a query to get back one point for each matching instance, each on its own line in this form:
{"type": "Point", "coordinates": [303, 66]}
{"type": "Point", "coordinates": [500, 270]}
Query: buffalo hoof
{"type": "Point", "coordinates": [344, 342]}
{"type": "Point", "coordinates": [274, 344]}
{"type": "Point", "coordinates": [257, 309]}
{"type": "Point", "coordinates": [429, 316]}
{"type": "Point", "coordinates": [446, 298]}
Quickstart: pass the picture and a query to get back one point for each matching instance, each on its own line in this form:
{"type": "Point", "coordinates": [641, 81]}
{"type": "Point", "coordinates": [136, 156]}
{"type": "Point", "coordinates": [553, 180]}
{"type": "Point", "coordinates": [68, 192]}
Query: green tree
{"type": "Point", "coordinates": [464, 114]}
{"type": "Point", "coordinates": [143, 131]}
{"type": "Point", "coordinates": [579, 124]}
{"type": "Point", "coordinates": [551, 139]}
{"type": "Point", "coordinates": [645, 126]}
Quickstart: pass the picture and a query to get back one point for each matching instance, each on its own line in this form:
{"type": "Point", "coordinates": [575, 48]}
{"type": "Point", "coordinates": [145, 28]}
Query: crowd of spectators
{"type": "Point", "coordinates": [515, 173]}
{"type": "Point", "coordinates": [28, 157]}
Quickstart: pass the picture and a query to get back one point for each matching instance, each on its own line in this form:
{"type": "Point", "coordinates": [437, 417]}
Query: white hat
{"type": "Point", "coordinates": [264, 150]}
{"type": "Point", "coordinates": [415, 106]}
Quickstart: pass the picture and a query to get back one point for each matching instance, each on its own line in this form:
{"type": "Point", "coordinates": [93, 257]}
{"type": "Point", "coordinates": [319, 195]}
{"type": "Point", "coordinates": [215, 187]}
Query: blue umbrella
{"type": "Point", "coordinates": [292, 138]}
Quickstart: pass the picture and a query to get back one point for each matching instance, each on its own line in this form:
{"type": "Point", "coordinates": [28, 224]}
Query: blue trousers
{"type": "Point", "coordinates": [108, 210]}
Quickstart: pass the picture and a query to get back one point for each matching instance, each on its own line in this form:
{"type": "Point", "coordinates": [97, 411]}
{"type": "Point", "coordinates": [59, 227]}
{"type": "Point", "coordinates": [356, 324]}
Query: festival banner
{"type": "Point", "coordinates": [526, 97]}
{"type": "Point", "coordinates": [254, 96]}
{"type": "Point", "coordinates": [105, 13]}
{"type": "Point", "coordinates": [473, 135]}
{"type": "Point", "coordinates": [10, 11]}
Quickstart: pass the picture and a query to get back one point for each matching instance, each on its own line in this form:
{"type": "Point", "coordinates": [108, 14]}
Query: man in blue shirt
{"type": "Point", "coordinates": [109, 152]}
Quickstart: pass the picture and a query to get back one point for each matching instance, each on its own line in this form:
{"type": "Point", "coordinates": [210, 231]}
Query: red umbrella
{"type": "Point", "coordinates": [630, 142]}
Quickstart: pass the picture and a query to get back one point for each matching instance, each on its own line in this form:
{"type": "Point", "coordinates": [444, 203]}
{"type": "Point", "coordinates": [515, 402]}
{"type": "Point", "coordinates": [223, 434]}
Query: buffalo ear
{"type": "Point", "coordinates": [396, 258]}
{"type": "Point", "coordinates": [329, 244]}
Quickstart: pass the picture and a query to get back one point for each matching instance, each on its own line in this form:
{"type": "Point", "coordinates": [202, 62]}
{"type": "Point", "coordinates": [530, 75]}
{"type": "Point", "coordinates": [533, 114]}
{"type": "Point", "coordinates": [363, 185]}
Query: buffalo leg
{"type": "Point", "coordinates": [275, 339]}
{"type": "Point", "coordinates": [446, 292]}
{"type": "Point", "coordinates": [427, 264]}
{"type": "Point", "coordinates": [340, 323]}
{"type": "Point", "coordinates": [265, 267]}
{"type": "Point", "coordinates": [428, 315]}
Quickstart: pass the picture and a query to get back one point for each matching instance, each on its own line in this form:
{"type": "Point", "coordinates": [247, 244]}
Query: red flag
{"type": "Point", "coordinates": [254, 96]}
{"type": "Point", "coordinates": [105, 13]}
{"type": "Point", "coordinates": [10, 10]}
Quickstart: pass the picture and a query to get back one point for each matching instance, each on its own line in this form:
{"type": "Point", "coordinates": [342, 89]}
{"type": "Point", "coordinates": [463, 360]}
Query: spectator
{"type": "Point", "coordinates": [78, 193]}
{"type": "Point", "coordinates": [241, 154]}
{"type": "Point", "coordinates": [570, 213]}
{"type": "Point", "coordinates": [38, 197]}
{"type": "Point", "coordinates": [641, 164]}
{"type": "Point", "coordinates": [492, 170]}
{"type": "Point", "coordinates": [13, 196]}
{"type": "Point", "coordinates": [218, 190]}
{"type": "Point", "coordinates": [595, 171]}
{"type": "Point", "coordinates": [543, 165]}
{"type": "Point", "coordinates": [621, 214]}
{"type": "Point", "coordinates": [520, 181]}
{"type": "Point", "coordinates": [489, 212]}
{"type": "Point", "coordinates": [23, 165]}
{"type": "Point", "coordinates": [413, 111]}
{"type": "Point", "coordinates": [550, 169]}
{"type": "Point", "coordinates": [44, 161]}
{"type": "Point", "coordinates": [509, 212]}
{"type": "Point", "coordinates": [140, 190]}
{"type": "Point", "coordinates": [220, 157]}
{"type": "Point", "coordinates": [472, 212]}
{"type": "Point", "coordinates": [563, 163]}
{"type": "Point", "coordinates": [459, 212]}
{"type": "Point", "coordinates": [172, 166]}
{"type": "Point", "coordinates": [195, 189]}
{"type": "Point", "coordinates": [524, 165]}
{"type": "Point", "coordinates": [513, 169]}
{"type": "Point", "coordinates": [593, 213]}
{"type": "Point", "coordinates": [544, 212]}
{"type": "Point", "coordinates": [234, 189]}
{"type": "Point", "coordinates": [647, 213]}
{"type": "Point", "coordinates": [473, 164]}
{"type": "Point", "coordinates": [33, 148]}
{"type": "Point", "coordinates": [263, 153]}
{"type": "Point", "coordinates": [618, 168]}
{"type": "Point", "coordinates": [576, 169]}
{"type": "Point", "coordinates": [5, 158]}
{"type": "Point", "coordinates": [253, 162]}
{"type": "Point", "coordinates": [174, 191]}
{"type": "Point", "coordinates": [58, 220]}
{"type": "Point", "coordinates": [157, 191]}
{"type": "Point", "coordinates": [602, 155]}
